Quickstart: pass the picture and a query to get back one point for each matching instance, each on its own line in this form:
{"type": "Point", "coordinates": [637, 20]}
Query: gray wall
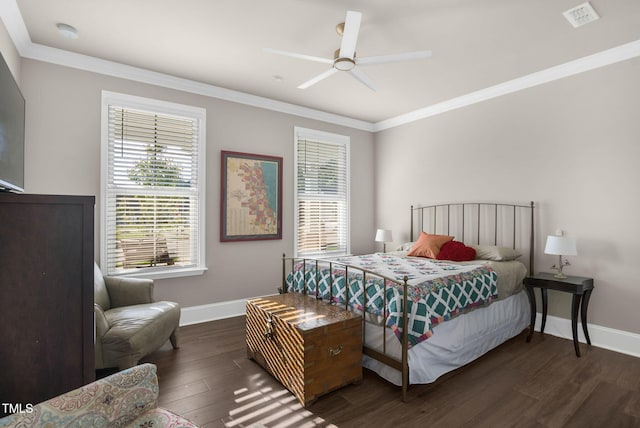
{"type": "Point", "coordinates": [63, 156]}
{"type": "Point", "coordinates": [570, 145]}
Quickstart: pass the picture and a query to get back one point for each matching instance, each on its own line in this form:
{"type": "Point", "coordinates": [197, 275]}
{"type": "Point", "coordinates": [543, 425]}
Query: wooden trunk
{"type": "Point", "coordinates": [311, 347]}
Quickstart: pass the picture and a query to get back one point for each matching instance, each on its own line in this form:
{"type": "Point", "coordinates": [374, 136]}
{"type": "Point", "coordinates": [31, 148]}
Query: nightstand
{"type": "Point", "coordinates": [581, 289]}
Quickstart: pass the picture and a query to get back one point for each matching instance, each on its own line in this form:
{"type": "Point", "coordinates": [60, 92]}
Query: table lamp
{"type": "Point", "coordinates": [561, 246]}
{"type": "Point", "coordinates": [384, 236]}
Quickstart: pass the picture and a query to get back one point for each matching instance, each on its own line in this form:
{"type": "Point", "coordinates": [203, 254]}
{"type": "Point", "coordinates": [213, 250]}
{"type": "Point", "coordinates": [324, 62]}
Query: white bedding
{"type": "Point", "coordinates": [455, 342]}
{"type": "Point", "coordinates": [510, 273]}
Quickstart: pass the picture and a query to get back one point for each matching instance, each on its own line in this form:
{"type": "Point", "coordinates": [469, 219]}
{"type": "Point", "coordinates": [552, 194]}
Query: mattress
{"type": "Point", "coordinates": [454, 343]}
{"type": "Point", "coordinates": [510, 275]}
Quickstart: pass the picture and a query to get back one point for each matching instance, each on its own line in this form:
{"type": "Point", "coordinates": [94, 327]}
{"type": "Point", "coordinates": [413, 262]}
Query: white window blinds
{"type": "Point", "coordinates": [322, 194]}
{"type": "Point", "coordinates": [153, 190]}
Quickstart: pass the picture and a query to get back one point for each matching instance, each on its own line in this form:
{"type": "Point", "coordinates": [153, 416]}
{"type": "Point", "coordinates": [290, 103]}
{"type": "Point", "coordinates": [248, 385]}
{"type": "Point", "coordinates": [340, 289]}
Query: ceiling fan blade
{"type": "Point", "coordinates": [318, 78]}
{"type": "Point", "coordinates": [350, 34]}
{"type": "Point", "coordinates": [363, 78]}
{"type": "Point", "coordinates": [406, 56]}
{"type": "Point", "coordinates": [298, 56]}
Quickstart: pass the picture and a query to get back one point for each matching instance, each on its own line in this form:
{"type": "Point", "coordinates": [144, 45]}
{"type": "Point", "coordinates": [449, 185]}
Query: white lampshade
{"type": "Point", "coordinates": [384, 235]}
{"type": "Point", "coordinates": [561, 246]}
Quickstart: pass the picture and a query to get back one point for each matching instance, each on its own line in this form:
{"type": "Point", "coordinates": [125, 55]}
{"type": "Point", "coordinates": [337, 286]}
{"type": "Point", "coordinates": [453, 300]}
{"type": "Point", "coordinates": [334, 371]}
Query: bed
{"type": "Point", "coordinates": [424, 317]}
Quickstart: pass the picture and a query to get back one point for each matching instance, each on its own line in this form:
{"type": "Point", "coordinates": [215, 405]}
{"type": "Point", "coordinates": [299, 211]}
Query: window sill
{"type": "Point", "coordinates": [165, 273]}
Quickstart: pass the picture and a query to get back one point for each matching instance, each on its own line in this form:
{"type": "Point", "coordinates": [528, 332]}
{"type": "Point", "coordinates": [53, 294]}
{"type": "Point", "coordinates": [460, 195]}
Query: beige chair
{"type": "Point", "coordinates": [129, 324]}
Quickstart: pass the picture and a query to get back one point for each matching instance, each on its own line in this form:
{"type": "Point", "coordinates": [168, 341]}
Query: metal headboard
{"type": "Point", "coordinates": [507, 225]}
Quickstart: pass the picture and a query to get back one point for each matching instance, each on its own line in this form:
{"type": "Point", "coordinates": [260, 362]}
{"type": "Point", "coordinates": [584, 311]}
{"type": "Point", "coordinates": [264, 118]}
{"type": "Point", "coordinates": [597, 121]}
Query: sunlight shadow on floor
{"type": "Point", "coordinates": [270, 407]}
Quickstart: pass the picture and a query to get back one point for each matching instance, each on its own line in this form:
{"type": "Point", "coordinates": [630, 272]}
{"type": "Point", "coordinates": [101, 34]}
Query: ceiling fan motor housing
{"type": "Point", "coordinates": [343, 64]}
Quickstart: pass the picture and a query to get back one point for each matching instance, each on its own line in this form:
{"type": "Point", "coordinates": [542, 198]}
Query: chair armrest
{"type": "Point", "coordinates": [102, 324]}
{"type": "Point", "coordinates": [129, 291]}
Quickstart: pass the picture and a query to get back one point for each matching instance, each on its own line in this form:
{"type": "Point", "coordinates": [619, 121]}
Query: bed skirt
{"type": "Point", "coordinates": [454, 343]}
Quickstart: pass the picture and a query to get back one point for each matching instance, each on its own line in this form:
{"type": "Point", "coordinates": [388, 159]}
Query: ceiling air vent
{"type": "Point", "coordinates": [581, 14]}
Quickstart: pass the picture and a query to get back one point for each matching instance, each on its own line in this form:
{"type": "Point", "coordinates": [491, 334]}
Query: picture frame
{"type": "Point", "coordinates": [250, 197]}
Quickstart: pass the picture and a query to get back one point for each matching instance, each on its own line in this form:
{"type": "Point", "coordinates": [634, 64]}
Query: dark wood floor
{"type": "Point", "coordinates": [540, 384]}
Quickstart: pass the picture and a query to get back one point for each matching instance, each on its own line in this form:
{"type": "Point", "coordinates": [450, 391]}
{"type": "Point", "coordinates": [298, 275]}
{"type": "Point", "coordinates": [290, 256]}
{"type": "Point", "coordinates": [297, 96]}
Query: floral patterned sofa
{"type": "Point", "coordinates": [125, 399]}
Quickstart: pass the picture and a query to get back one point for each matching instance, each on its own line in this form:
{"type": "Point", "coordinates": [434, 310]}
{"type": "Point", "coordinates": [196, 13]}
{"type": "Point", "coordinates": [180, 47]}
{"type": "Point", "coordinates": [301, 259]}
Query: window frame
{"type": "Point", "coordinates": [166, 108]}
{"type": "Point", "coordinates": [327, 138]}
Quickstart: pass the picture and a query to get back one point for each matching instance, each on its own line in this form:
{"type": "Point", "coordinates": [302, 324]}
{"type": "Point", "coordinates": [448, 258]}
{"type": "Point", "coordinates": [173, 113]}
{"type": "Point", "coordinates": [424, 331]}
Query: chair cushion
{"type": "Point", "coordinates": [139, 329]}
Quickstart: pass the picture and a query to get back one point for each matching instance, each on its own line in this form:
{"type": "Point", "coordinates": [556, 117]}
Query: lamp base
{"type": "Point", "coordinates": [559, 267]}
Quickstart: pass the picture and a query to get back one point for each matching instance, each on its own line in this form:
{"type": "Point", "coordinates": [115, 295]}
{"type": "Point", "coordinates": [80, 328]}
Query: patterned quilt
{"type": "Point", "coordinates": [437, 292]}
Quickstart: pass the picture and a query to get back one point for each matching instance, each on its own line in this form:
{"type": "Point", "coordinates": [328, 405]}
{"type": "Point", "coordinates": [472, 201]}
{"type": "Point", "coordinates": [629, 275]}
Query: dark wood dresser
{"type": "Point", "coordinates": [46, 296]}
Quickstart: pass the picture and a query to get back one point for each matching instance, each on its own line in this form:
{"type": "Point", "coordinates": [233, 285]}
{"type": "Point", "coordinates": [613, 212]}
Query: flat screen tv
{"type": "Point", "coordinates": [11, 131]}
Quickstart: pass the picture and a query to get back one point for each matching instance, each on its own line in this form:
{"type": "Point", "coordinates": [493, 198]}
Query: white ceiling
{"type": "Point", "coordinates": [476, 44]}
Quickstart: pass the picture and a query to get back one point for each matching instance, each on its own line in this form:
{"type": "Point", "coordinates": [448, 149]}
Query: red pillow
{"type": "Point", "coordinates": [456, 252]}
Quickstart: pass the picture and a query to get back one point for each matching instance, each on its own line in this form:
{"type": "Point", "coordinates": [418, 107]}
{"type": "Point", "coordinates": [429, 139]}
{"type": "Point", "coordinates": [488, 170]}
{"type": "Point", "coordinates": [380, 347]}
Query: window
{"type": "Point", "coordinates": [152, 187]}
{"type": "Point", "coordinates": [321, 193]}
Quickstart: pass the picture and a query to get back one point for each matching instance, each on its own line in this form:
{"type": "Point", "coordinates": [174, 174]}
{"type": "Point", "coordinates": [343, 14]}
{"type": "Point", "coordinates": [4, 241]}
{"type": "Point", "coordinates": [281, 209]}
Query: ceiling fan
{"type": "Point", "coordinates": [344, 59]}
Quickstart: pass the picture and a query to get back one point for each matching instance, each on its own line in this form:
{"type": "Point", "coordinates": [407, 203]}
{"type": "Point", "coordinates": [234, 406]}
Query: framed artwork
{"type": "Point", "coordinates": [251, 197]}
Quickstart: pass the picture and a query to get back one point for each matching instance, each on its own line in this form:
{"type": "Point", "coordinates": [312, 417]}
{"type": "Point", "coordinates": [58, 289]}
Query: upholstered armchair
{"type": "Point", "coordinates": [129, 324]}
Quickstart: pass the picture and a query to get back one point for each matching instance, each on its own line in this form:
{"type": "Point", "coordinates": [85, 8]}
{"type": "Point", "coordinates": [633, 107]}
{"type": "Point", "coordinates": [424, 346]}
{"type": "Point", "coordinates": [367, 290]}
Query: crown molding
{"type": "Point", "coordinates": [12, 18]}
{"type": "Point", "coordinates": [114, 69]}
{"type": "Point", "coordinates": [571, 68]}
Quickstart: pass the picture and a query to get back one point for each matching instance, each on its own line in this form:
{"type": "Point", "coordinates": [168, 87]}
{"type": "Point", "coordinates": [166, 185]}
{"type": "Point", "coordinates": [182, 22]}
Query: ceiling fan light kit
{"type": "Point", "coordinates": [344, 59]}
{"type": "Point", "coordinates": [341, 63]}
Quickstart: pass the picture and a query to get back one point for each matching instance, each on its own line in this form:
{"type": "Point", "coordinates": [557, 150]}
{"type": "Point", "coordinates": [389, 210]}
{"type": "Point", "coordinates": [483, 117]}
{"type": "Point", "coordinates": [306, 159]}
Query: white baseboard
{"type": "Point", "coordinates": [602, 337]}
{"type": "Point", "coordinates": [212, 312]}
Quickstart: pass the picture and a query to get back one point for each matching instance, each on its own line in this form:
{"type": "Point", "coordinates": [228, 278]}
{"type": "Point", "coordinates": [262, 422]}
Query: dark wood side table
{"type": "Point", "coordinates": [581, 289]}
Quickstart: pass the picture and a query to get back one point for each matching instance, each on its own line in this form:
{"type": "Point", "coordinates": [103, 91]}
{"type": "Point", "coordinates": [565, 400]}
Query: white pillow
{"type": "Point", "coordinates": [405, 247]}
{"type": "Point", "coordinates": [492, 252]}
